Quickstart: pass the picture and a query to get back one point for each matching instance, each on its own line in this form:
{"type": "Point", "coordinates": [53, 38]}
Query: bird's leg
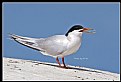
{"type": "Point", "coordinates": [63, 62]}
{"type": "Point", "coordinates": [57, 60]}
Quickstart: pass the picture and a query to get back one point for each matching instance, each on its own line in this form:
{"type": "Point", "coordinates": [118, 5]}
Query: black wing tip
{"type": "Point", "coordinates": [12, 36]}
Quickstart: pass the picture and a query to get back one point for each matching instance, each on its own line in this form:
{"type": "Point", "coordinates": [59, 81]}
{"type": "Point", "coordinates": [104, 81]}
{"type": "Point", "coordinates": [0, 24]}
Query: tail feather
{"type": "Point", "coordinates": [29, 42]}
{"type": "Point", "coordinates": [13, 36]}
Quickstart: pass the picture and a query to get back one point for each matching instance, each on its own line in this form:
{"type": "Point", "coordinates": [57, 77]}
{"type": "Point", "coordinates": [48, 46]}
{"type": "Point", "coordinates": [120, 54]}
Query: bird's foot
{"type": "Point", "coordinates": [63, 67]}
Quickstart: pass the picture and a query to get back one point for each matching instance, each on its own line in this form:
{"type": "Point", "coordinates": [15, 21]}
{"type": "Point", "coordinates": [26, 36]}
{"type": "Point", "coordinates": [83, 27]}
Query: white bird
{"type": "Point", "coordinates": [57, 45]}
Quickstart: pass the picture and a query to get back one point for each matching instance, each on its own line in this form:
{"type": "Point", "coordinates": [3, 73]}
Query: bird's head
{"type": "Point", "coordinates": [77, 30]}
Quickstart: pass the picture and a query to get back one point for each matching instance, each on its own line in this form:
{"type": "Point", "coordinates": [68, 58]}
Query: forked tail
{"type": "Point", "coordinates": [29, 42]}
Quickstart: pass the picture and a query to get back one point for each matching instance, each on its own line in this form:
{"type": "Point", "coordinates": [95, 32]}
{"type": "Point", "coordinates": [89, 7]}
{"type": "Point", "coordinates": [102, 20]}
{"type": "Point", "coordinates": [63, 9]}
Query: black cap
{"type": "Point", "coordinates": [75, 27]}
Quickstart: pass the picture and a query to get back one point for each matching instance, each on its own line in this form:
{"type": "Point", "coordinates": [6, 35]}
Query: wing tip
{"type": "Point", "coordinates": [12, 36]}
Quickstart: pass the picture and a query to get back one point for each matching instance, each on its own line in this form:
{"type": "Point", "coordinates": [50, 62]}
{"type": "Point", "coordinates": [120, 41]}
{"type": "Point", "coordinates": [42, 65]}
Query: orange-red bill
{"type": "Point", "coordinates": [88, 30]}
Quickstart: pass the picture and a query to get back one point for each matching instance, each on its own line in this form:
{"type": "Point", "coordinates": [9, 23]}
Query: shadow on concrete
{"type": "Point", "coordinates": [68, 67]}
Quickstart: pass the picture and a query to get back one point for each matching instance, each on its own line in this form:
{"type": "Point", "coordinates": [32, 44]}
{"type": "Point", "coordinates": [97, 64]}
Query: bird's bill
{"type": "Point", "coordinates": [89, 30]}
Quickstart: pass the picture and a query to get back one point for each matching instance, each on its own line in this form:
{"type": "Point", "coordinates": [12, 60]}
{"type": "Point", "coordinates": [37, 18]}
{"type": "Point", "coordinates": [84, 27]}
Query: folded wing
{"type": "Point", "coordinates": [29, 42]}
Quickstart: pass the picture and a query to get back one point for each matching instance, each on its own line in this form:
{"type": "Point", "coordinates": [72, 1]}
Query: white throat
{"type": "Point", "coordinates": [74, 42]}
{"type": "Point", "coordinates": [75, 35]}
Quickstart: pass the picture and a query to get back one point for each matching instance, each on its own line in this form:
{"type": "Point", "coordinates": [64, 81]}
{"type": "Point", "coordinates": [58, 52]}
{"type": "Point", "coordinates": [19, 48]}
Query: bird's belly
{"type": "Point", "coordinates": [71, 50]}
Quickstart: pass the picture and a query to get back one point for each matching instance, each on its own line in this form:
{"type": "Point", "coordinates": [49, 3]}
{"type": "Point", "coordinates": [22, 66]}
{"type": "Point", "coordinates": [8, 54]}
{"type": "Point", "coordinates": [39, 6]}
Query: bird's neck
{"type": "Point", "coordinates": [74, 42]}
{"type": "Point", "coordinates": [74, 38]}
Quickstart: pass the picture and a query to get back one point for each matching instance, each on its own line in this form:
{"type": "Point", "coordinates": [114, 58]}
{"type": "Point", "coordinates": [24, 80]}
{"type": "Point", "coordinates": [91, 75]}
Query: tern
{"type": "Point", "coordinates": [57, 46]}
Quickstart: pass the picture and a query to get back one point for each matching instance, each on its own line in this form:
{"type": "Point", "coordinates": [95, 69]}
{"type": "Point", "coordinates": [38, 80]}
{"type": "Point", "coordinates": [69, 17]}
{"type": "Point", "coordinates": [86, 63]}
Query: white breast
{"type": "Point", "coordinates": [73, 45]}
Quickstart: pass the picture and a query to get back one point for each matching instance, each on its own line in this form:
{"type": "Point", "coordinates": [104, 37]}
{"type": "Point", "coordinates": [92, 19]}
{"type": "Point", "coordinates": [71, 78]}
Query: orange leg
{"type": "Point", "coordinates": [57, 60]}
{"type": "Point", "coordinates": [63, 62]}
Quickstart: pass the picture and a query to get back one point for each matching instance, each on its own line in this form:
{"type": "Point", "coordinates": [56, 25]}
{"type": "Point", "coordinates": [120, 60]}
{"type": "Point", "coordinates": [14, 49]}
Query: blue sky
{"type": "Point", "coordinates": [99, 51]}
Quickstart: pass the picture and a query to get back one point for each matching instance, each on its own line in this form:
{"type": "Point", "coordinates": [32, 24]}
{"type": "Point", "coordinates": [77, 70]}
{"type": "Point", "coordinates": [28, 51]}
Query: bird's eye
{"type": "Point", "coordinates": [81, 30]}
